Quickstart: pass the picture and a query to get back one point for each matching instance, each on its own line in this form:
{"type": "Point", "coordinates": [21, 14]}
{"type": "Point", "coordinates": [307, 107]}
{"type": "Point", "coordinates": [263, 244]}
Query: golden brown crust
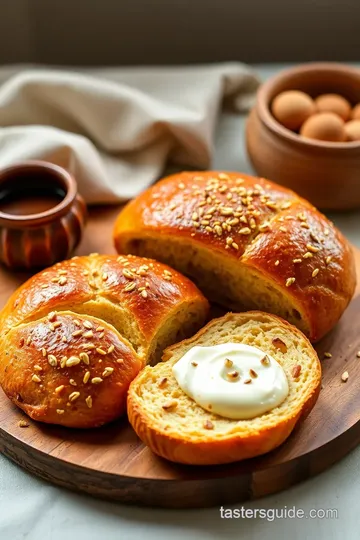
{"type": "Point", "coordinates": [280, 231]}
{"type": "Point", "coordinates": [234, 446]}
{"type": "Point", "coordinates": [92, 305]}
{"type": "Point", "coordinates": [72, 369]}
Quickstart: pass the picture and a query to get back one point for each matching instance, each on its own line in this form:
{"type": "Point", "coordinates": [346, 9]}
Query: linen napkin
{"type": "Point", "coordinates": [116, 129]}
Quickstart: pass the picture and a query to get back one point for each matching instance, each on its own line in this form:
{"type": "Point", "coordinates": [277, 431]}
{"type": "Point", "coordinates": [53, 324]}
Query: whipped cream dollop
{"type": "Point", "coordinates": [233, 380]}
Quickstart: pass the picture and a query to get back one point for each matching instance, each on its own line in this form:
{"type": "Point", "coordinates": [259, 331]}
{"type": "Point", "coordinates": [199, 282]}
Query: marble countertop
{"type": "Point", "coordinates": [32, 509]}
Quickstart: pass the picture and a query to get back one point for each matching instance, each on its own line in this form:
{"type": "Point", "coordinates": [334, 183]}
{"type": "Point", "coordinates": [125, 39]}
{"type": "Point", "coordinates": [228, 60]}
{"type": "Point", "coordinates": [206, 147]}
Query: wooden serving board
{"type": "Point", "coordinates": [112, 463]}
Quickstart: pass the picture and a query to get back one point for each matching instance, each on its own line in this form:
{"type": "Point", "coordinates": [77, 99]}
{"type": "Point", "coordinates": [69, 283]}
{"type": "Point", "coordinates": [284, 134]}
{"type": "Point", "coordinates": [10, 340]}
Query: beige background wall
{"type": "Point", "coordinates": [176, 31]}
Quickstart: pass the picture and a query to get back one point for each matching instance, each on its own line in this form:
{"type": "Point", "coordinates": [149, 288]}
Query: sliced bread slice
{"type": "Point", "coordinates": [175, 427]}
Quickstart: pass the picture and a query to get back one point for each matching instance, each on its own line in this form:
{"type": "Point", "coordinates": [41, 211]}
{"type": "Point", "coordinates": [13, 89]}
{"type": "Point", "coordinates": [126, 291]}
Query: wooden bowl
{"type": "Point", "coordinates": [42, 216]}
{"type": "Point", "coordinates": [325, 173]}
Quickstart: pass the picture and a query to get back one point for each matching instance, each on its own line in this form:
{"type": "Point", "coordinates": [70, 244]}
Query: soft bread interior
{"type": "Point", "coordinates": [187, 420]}
{"type": "Point", "coordinates": [223, 280]}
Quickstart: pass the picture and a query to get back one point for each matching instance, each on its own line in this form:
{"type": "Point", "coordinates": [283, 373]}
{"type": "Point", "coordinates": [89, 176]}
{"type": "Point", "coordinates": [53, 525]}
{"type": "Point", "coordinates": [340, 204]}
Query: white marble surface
{"type": "Point", "coordinates": [34, 510]}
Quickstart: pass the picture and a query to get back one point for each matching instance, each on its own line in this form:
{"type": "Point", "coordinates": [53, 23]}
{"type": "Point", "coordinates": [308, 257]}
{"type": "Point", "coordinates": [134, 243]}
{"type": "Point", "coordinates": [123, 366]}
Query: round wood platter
{"type": "Point", "coordinates": [111, 462]}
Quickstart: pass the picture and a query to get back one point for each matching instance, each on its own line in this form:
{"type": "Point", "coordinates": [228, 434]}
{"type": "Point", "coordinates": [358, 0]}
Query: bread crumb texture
{"type": "Point", "coordinates": [188, 422]}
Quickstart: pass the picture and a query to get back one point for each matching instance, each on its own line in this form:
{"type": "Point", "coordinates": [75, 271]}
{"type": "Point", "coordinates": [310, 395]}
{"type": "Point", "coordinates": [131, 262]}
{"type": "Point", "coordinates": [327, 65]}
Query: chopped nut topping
{"type": "Point", "coordinates": [52, 316]}
{"type": "Point", "coordinates": [52, 360]}
{"type": "Point", "coordinates": [128, 274]}
{"type": "Point", "coordinates": [88, 401]}
{"type": "Point", "coordinates": [208, 424]}
{"type": "Point", "coordinates": [312, 248]}
{"type": "Point", "coordinates": [358, 354]}
{"type": "Point", "coordinates": [96, 380]}
{"type": "Point", "coordinates": [23, 423]}
{"type": "Point", "coordinates": [72, 361]}
{"type": "Point", "coordinates": [327, 354]}
{"type": "Point", "coordinates": [59, 389]}
{"type": "Point", "coordinates": [345, 376]}
{"type": "Point", "coordinates": [62, 281]}
{"type": "Point", "coordinates": [328, 259]}
{"type": "Point", "coordinates": [77, 333]}
{"type": "Point", "coordinates": [226, 211]}
{"type": "Point", "coordinates": [296, 370]}
{"type": "Point", "coordinates": [88, 334]}
{"type": "Point", "coordinates": [163, 382]}
{"type": "Point", "coordinates": [233, 374]}
{"type": "Point", "coordinates": [307, 255]}
{"type": "Point", "coordinates": [194, 364]}
{"type": "Point", "coordinates": [88, 325]}
{"type": "Point", "coordinates": [84, 357]}
{"type": "Point", "coordinates": [169, 405]}
{"type": "Point", "coordinates": [74, 396]}
{"type": "Point", "coordinates": [63, 362]}
{"type": "Point", "coordinates": [245, 230]}
{"type": "Point", "coordinates": [73, 382]}
{"type": "Point", "coordinates": [290, 281]}
{"type": "Point", "coordinates": [111, 349]}
{"type": "Point", "coordinates": [277, 262]}
{"type": "Point", "coordinates": [279, 344]}
{"type": "Point", "coordinates": [129, 287]}
{"type": "Point", "coordinates": [271, 204]}
{"type": "Point", "coordinates": [228, 362]}
{"type": "Point", "coordinates": [315, 272]}
{"type": "Point", "coordinates": [60, 411]}
{"type": "Point", "coordinates": [38, 368]}
{"type": "Point", "coordinates": [265, 360]}
{"type": "Point", "coordinates": [107, 371]}
{"type": "Point", "coordinates": [247, 381]}
{"type": "Point", "coordinates": [297, 261]}
{"type": "Point", "coordinates": [86, 377]}
{"type": "Point", "coordinates": [100, 351]}
{"type": "Point", "coordinates": [36, 378]}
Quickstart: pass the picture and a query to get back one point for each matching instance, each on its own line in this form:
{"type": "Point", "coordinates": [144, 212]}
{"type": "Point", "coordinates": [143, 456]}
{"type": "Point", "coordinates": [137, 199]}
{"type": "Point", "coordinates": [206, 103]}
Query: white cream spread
{"type": "Point", "coordinates": [233, 380]}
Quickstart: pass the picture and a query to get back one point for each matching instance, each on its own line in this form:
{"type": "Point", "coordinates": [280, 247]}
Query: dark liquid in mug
{"type": "Point", "coordinates": [27, 201]}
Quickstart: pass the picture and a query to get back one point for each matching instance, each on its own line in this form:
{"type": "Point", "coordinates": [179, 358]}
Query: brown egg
{"type": "Point", "coordinates": [335, 104]}
{"type": "Point", "coordinates": [355, 113]}
{"type": "Point", "coordinates": [352, 130]}
{"type": "Point", "coordinates": [324, 126]}
{"type": "Point", "coordinates": [292, 108]}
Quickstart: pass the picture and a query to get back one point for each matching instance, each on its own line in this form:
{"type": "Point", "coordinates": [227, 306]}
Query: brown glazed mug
{"type": "Point", "coordinates": [42, 216]}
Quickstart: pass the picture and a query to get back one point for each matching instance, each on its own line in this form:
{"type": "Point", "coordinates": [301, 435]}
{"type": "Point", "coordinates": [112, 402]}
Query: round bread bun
{"type": "Point", "coordinates": [186, 433]}
{"type": "Point", "coordinates": [248, 244]}
{"type": "Point", "coordinates": [75, 335]}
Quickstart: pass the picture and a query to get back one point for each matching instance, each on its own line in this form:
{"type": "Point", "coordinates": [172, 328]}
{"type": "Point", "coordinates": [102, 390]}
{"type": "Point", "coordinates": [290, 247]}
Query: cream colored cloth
{"type": "Point", "coordinates": [115, 129]}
